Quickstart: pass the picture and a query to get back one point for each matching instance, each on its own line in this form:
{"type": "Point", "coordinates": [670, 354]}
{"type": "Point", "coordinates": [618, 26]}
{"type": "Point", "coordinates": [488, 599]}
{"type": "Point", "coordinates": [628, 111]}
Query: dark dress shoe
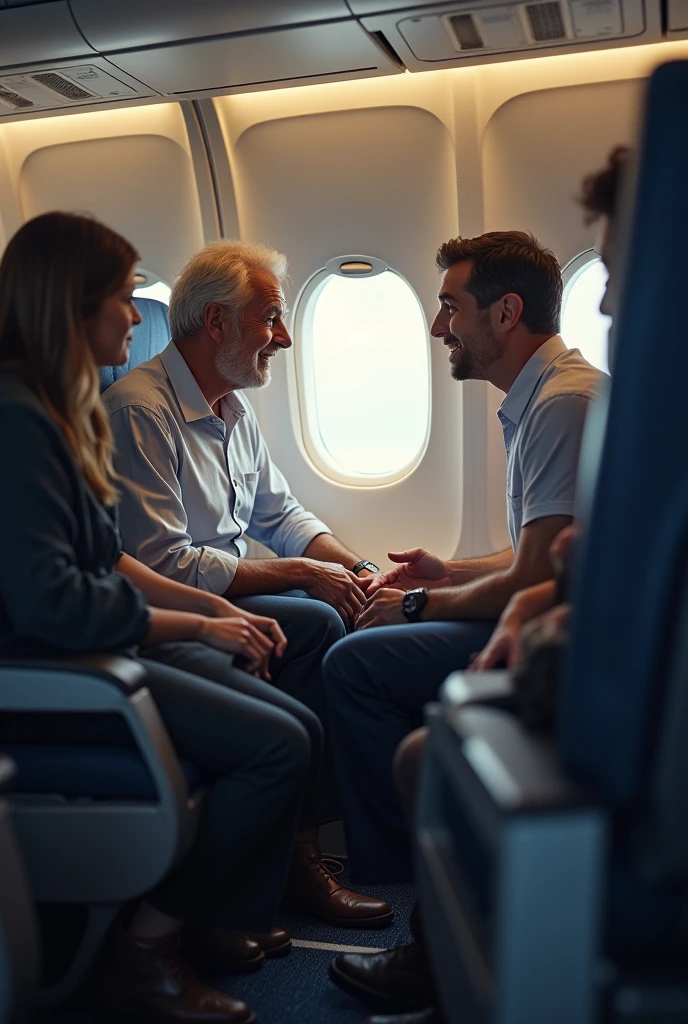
{"type": "Point", "coordinates": [424, 1017]}
{"type": "Point", "coordinates": [313, 888]}
{"type": "Point", "coordinates": [149, 982]}
{"type": "Point", "coordinates": [233, 951]}
{"type": "Point", "coordinates": [274, 943]}
{"type": "Point", "coordinates": [393, 978]}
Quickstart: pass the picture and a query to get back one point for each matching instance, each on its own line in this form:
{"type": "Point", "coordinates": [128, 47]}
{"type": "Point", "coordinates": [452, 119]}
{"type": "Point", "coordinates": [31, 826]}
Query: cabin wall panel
{"type": "Point", "coordinates": [130, 168]}
{"type": "Point", "coordinates": [379, 181]}
{"type": "Point", "coordinates": [529, 185]}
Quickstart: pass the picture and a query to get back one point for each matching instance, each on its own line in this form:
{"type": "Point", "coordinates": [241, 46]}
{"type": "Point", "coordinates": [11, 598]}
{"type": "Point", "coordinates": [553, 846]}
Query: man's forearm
{"type": "Point", "coordinates": [326, 548]}
{"type": "Point", "coordinates": [266, 576]}
{"type": "Point", "coordinates": [466, 569]}
{"type": "Point", "coordinates": [484, 598]}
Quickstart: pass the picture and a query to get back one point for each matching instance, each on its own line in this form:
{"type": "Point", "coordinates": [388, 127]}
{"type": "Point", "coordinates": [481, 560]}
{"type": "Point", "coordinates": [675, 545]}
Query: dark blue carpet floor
{"type": "Point", "coordinates": [295, 989]}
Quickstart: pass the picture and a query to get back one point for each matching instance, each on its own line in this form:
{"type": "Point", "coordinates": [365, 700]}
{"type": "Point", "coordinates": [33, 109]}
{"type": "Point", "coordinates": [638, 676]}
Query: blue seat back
{"type": "Point", "coordinates": [632, 561]}
{"type": "Point", "coordinates": [150, 337]}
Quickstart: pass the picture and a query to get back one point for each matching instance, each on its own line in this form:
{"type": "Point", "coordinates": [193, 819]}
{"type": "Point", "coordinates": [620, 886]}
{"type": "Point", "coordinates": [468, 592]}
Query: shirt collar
{"type": "Point", "coordinates": [521, 391]}
{"type": "Point", "coordinates": [192, 401]}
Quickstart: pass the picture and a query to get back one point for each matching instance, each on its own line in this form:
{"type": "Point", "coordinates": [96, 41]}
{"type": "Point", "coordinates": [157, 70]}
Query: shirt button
{"type": "Point", "coordinates": [101, 572]}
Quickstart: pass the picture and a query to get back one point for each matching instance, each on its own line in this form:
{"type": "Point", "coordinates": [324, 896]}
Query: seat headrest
{"type": "Point", "coordinates": [150, 337]}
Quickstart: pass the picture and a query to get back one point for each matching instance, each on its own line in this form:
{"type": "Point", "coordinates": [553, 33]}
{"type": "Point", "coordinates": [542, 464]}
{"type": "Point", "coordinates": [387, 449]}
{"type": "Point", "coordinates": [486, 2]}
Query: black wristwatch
{"type": "Point", "coordinates": [363, 564]}
{"type": "Point", "coordinates": [414, 602]}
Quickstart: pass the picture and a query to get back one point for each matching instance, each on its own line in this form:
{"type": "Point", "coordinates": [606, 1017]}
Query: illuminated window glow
{"type": "Point", "coordinates": [365, 376]}
{"type": "Point", "coordinates": [582, 324]}
{"type": "Point", "coordinates": [158, 290]}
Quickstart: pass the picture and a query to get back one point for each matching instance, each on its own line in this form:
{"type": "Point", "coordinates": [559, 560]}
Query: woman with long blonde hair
{"type": "Point", "coordinates": [66, 308]}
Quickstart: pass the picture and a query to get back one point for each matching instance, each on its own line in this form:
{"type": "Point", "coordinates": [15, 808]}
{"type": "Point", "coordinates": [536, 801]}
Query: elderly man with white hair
{"type": "Point", "coordinates": [196, 477]}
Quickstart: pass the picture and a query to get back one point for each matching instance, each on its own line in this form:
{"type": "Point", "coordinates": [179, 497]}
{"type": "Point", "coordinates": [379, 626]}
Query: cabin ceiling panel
{"type": "Point", "coordinates": [129, 24]}
{"type": "Point", "coordinates": [141, 185]}
{"type": "Point", "coordinates": [28, 35]}
{"type": "Point", "coordinates": [301, 55]}
{"type": "Point", "coordinates": [379, 182]}
{"type": "Point", "coordinates": [537, 148]}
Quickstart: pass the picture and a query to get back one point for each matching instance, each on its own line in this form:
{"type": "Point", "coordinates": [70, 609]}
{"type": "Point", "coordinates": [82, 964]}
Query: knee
{"type": "Point", "coordinates": [327, 624]}
{"type": "Point", "coordinates": [292, 747]}
{"type": "Point", "coordinates": [342, 664]}
{"type": "Point", "coordinates": [407, 763]}
{"type": "Point", "coordinates": [313, 727]}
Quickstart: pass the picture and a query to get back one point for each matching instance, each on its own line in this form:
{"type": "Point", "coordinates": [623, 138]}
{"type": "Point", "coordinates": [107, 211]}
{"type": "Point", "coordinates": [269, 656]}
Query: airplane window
{"type": "Point", "coordinates": [150, 287]}
{"type": "Point", "coordinates": [582, 324]}
{"type": "Point", "coordinates": [364, 376]}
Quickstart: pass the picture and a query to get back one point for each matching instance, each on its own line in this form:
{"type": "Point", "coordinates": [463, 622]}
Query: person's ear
{"type": "Point", "coordinates": [509, 311]}
{"type": "Point", "coordinates": [214, 316]}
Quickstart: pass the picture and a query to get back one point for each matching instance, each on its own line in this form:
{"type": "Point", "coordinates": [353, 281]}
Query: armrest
{"type": "Point", "coordinates": [464, 688]}
{"type": "Point", "coordinates": [516, 769]}
{"type": "Point", "coordinates": [93, 682]}
{"type": "Point", "coordinates": [7, 772]}
{"type": "Point", "coordinates": [125, 673]}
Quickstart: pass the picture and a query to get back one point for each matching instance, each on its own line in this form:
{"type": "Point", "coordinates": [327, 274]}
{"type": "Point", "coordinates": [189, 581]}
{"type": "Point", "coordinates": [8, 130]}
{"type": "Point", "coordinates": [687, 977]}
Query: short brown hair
{"type": "Point", "coordinates": [510, 261]}
{"type": "Point", "coordinates": [599, 193]}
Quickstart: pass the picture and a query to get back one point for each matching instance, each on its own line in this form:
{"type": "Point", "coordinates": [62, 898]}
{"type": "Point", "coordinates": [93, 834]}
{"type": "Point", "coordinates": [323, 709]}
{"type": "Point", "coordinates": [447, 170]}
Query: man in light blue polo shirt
{"type": "Point", "coordinates": [499, 313]}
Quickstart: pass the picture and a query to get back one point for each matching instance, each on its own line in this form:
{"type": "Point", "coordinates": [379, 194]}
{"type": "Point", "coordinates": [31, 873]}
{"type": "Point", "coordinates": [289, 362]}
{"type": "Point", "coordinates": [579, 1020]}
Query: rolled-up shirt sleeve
{"type": "Point", "coordinates": [278, 520]}
{"type": "Point", "coordinates": [153, 521]}
{"type": "Point", "coordinates": [47, 597]}
{"type": "Point", "coordinates": [550, 457]}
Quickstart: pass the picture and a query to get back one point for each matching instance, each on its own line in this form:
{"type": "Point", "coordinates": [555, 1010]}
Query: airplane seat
{"type": "Point", "coordinates": [18, 936]}
{"type": "Point", "coordinates": [554, 869]}
{"type": "Point", "coordinates": [150, 337]}
{"type": "Point", "coordinates": [102, 806]}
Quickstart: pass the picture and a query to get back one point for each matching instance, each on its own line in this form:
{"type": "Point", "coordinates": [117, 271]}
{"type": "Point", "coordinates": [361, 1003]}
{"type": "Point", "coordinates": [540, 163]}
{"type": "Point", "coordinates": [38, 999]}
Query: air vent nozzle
{"type": "Point", "coordinates": [14, 100]}
{"type": "Point", "coordinates": [546, 21]}
{"type": "Point", "coordinates": [62, 86]}
{"type": "Point", "coordinates": [464, 28]}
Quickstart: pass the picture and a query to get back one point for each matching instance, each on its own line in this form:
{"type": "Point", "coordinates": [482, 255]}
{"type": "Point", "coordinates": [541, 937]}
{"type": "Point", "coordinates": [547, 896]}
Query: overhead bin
{"type": "Point", "coordinates": [111, 25]}
{"type": "Point", "coordinates": [293, 56]}
{"type": "Point", "coordinates": [28, 35]}
{"type": "Point", "coordinates": [470, 32]}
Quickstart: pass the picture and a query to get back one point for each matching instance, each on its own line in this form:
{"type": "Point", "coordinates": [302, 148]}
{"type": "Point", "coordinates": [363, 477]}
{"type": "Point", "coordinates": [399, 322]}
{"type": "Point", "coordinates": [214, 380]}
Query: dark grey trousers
{"type": "Point", "coordinates": [377, 683]}
{"type": "Point", "coordinates": [254, 757]}
{"type": "Point", "coordinates": [312, 628]}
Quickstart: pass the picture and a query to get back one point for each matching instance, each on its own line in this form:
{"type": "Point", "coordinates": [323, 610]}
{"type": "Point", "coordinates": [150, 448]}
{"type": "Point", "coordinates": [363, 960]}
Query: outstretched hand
{"type": "Point", "coordinates": [418, 568]}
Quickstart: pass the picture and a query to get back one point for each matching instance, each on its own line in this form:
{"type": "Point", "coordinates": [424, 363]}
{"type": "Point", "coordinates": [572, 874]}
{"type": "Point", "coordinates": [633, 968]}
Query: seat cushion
{"type": "Point", "coordinates": [150, 337]}
{"type": "Point", "coordinates": [111, 773]}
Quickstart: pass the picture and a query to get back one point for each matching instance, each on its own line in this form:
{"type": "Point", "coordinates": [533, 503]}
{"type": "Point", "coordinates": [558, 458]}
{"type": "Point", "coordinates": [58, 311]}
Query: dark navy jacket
{"type": "Point", "coordinates": [58, 544]}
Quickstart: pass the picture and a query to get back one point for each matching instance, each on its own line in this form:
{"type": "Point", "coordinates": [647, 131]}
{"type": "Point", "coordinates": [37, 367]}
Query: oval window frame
{"type": "Point", "coordinates": [147, 279]}
{"type": "Point", "coordinates": [570, 273]}
{"type": "Point", "coordinates": [309, 429]}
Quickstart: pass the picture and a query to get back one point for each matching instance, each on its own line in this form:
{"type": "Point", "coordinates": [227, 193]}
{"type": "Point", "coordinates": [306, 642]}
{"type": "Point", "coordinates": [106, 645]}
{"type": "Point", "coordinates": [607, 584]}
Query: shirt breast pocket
{"type": "Point", "coordinates": [246, 492]}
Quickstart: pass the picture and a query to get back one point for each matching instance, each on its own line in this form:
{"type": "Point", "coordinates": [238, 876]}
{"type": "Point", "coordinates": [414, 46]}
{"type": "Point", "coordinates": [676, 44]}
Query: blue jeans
{"type": "Point", "coordinates": [377, 683]}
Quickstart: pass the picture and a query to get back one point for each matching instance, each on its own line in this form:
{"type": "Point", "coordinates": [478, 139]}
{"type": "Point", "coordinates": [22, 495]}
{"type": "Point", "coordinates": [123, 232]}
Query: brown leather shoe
{"type": "Point", "coordinates": [312, 888]}
{"type": "Point", "coordinates": [394, 978]}
{"type": "Point", "coordinates": [234, 951]}
{"type": "Point", "coordinates": [149, 982]}
{"type": "Point", "coordinates": [274, 943]}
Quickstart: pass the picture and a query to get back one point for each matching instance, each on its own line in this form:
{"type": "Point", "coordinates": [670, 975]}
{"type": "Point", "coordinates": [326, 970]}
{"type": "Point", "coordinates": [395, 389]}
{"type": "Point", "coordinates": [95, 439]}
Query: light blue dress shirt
{"type": "Point", "coordinates": [194, 484]}
{"type": "Point", "coordinates": [542, 417]}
